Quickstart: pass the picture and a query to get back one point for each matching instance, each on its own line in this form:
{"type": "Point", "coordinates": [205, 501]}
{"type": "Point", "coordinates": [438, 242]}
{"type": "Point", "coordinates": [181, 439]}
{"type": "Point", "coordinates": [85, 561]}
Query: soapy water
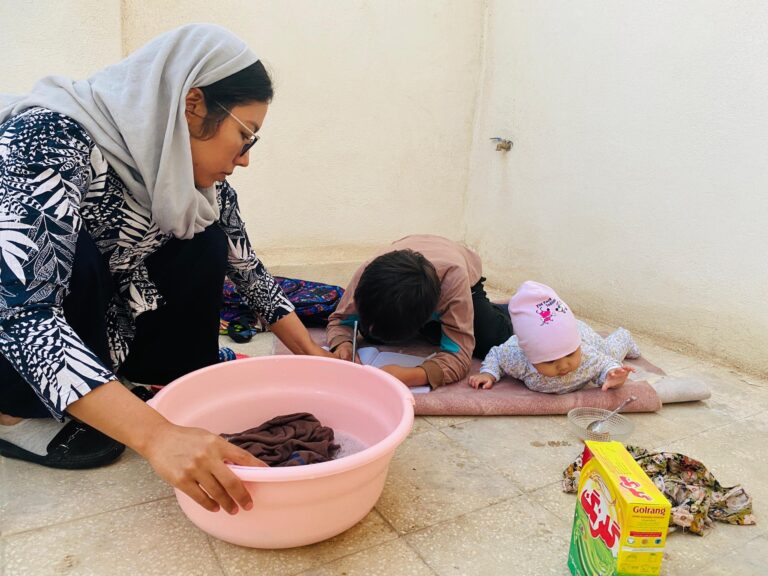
{"type": "Point", "coordinates": [349, 444]}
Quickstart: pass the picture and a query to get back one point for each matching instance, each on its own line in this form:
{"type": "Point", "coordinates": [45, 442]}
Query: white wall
{"type": "Point", "coordinates": [636, 185]}
{"type": "Point", "coordinates": [67, 37]}
{"type": "Point", "coordinates": [369, 134]}
{"type": "Point", "coordinates": [637, 181]}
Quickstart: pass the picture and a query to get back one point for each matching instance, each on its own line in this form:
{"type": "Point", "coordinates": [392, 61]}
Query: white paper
{"type": "Point", "coordinates": [371, 356]}
{"type": "Point", "coordinates": [420, 389]}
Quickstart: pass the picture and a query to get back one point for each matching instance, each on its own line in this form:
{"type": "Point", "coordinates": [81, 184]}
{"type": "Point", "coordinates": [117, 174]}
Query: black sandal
{"type": "Point", "coordinates": [77, 446]}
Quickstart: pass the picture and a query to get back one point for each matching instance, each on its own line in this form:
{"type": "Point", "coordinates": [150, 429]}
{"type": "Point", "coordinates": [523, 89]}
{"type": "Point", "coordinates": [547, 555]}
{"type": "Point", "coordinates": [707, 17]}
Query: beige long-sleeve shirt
{"type": "Point", "coordinates": [458, 269]}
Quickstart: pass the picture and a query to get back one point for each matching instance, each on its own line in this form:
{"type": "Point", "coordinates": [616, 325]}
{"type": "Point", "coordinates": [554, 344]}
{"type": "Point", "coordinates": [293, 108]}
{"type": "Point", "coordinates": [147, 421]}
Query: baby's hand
{"type": "Point", "coordinates": [616, 377]}
{"type": "Point", "coordinates": [482, 381]}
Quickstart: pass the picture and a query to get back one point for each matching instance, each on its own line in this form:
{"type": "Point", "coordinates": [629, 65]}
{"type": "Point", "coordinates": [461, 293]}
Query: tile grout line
{"type": "Point", "coordinates": [302, 570]}
{"type": "Point", "coordinates": [705, 430]}
{"type": "Point", "coordinates": [386, 520]}
{"type": "Point", "coordinates": [423, 560]}
{"type": "Point", "coordinates": [371, 547]}
{"type": "Point", "coordinates": [462, 515]}
{"type": "Point", "coordinates": [428, 423]}
{"type": "Point", "coordinates": [6, 535]}
{"type": "Point", "coordinates": [465, 514]}
{"type": "Point", "coordinates": [736, 550]}
{"type": "Point", "coordinates": [504, 475]}
{"type": "Point", "coordinates": [560, 487]}
{"type": "Point", "coordinates": [212, 548]}
{"type": "Point", "coordinates": [489, 466]}
{"type": "Point", "coordinates": [738, 376]}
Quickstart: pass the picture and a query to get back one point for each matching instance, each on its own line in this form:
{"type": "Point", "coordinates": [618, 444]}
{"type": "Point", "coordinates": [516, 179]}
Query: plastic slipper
{"type": "Point", "coordinates": [227, 355]}
{"type": "Point", "coordinates": [241, 330]}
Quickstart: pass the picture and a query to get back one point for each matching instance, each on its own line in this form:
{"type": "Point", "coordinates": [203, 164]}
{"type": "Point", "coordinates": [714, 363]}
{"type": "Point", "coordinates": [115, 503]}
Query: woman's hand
{"type": "Point", "coordinates": [190, 459]}
{"type": "Point", "coordinates": [315, 350]}
{"type": "Point", "coordinates": [616, 377]}
{"type": "Point", "coordinates": [194, 461]}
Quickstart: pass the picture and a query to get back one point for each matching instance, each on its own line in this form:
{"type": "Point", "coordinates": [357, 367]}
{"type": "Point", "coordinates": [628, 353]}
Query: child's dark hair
{"type": "Point", "coordinates": [396, 295]}
{"type": "Point", "coordinates": [251, 84]}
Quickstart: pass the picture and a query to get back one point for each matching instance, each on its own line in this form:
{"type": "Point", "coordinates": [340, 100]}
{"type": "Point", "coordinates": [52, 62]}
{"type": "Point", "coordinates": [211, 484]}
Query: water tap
{"type": "Point", "coordinates": [502, 144]}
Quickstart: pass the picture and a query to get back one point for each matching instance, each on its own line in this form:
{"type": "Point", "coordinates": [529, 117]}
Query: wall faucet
{"type": "Point", "coordinates": [502, 144]}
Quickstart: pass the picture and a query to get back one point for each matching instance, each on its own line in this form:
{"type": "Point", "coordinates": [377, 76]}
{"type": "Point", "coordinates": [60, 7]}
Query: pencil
{"type": "Point", "coordinates": [354, 341]}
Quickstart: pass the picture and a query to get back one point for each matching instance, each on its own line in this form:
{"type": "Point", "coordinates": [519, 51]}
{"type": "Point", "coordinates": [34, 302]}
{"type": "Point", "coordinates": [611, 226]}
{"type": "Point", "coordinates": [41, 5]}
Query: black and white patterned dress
{"type": "Point", "coordinates": [53, 181]}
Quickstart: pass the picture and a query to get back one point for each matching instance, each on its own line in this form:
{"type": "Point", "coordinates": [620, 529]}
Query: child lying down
{"type": "Point", "coordinates": [552, 351]}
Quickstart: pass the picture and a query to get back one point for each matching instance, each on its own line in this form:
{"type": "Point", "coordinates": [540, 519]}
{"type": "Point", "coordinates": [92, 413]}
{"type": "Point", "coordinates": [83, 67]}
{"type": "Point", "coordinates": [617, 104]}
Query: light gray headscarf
{"type": "Point", "coordinates": [134, 111]}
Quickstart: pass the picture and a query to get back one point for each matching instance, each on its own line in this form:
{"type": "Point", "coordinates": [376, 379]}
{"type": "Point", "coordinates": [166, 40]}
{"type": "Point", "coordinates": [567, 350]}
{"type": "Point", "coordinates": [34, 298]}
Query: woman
{"type": "Point", "coordinates": [117, 227]}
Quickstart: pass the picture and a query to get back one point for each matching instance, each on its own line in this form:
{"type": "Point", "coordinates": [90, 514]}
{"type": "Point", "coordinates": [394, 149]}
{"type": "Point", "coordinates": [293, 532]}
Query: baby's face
{"type": "Point", "coordinates": [561, 366]}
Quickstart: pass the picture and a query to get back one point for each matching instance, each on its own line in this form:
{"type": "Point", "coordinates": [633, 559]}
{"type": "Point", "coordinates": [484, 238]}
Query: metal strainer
{"type": "Point", "coordinates": [617, 427]}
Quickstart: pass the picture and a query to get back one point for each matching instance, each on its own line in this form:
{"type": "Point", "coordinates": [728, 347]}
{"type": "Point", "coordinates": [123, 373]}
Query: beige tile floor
{"type": "Point", "coordinates": [464, 496]}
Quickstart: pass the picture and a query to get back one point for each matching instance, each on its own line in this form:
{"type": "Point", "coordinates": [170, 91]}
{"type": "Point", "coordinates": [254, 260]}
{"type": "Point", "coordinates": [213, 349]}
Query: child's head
{"type": "Point", "coordinates": [396, 295]}
{"type": "Point", "coordinates": [546, 329]}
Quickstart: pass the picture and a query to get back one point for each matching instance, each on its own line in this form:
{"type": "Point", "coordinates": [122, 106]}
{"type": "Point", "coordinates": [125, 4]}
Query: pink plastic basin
{"type": "Point", "coordinates": [303, 504]}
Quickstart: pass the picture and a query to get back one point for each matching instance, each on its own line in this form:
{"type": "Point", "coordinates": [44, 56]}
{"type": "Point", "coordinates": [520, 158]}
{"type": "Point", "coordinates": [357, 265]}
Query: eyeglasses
{"type": "Point", "coordinates": [254, 137]}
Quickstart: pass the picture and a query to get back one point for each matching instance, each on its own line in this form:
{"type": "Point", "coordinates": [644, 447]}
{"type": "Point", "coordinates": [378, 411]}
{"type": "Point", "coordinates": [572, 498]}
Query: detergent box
{"type": "Point", "coordinates": [621, 518]}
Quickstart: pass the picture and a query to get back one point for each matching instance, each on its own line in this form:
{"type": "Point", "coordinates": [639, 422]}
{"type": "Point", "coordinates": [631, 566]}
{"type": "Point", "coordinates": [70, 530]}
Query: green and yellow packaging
{"type": "Point", "coordinates": [621, 520]}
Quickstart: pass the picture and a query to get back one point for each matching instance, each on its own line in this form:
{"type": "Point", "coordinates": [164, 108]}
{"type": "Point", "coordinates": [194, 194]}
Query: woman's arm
{"type": "Point", "coordinates": [296, 338]}
{"type": "Point", "coordinates": [256, 285]}
{"type": "Point", "coordinates": [45, 170]}
{"type": "Point", "coordinates": [190, 459]}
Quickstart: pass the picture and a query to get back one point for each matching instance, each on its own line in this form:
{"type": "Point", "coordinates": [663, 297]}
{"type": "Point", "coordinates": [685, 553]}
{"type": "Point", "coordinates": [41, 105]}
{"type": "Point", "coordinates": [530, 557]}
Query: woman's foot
{"type": "Point", "coordinates": [30, 434]}
{"type": "Point", "coordinates": [9, 420]}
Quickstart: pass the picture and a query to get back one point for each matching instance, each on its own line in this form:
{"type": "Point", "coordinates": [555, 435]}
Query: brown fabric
{"type": "Point", "coordinates": [511, 397]}
{"type": "Point", "coordinates": [458, 268]}
{"type": "Point", "coordinates": [289, 440]}
{"type": "Point", "coordinates": [434, 373]}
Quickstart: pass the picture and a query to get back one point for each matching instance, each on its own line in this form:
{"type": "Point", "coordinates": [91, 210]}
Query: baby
{"type": "Point", "coordinates": [553, 352]}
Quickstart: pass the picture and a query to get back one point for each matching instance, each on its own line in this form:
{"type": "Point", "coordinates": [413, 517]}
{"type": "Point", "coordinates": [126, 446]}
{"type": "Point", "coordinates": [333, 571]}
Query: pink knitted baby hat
{"type": "Point", "coordinates": [545, 327]}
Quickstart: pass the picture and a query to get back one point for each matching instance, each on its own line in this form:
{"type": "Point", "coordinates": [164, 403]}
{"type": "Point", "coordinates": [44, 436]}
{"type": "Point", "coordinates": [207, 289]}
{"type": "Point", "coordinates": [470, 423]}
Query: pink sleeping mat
{"type": "Point", "coordinates": [510, 396]}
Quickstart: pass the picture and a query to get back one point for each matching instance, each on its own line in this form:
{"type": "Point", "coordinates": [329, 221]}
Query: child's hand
{"type": "Point", "coordinates": [482, 381]}
{"type": "Point", "coordinates": [616, 377]}
{"type": "Point", "coordinates": [344, 352]}
{"type": "Point", "coordinates": [409, 376]}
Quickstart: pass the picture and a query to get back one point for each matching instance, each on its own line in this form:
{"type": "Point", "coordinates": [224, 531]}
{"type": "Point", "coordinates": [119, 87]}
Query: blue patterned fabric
{"type": "Point", "coordinates": [53, 181]}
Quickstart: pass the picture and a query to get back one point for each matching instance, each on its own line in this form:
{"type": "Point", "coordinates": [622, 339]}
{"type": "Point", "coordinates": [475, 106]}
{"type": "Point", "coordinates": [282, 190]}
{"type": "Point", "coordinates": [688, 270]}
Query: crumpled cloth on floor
{"type": "Point", "coordinates": [697, 498]}
{"type": "Point", "coordinates": [289, 440]}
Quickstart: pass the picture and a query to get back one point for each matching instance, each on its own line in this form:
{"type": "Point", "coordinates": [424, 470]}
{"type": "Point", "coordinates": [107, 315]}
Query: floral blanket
{"type": "Point", "coordinates": [697, 498]}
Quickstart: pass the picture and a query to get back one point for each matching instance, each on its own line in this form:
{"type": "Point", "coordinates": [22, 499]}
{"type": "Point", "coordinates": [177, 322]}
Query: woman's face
{"type": "Point", "coordinates": [215, 158]}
